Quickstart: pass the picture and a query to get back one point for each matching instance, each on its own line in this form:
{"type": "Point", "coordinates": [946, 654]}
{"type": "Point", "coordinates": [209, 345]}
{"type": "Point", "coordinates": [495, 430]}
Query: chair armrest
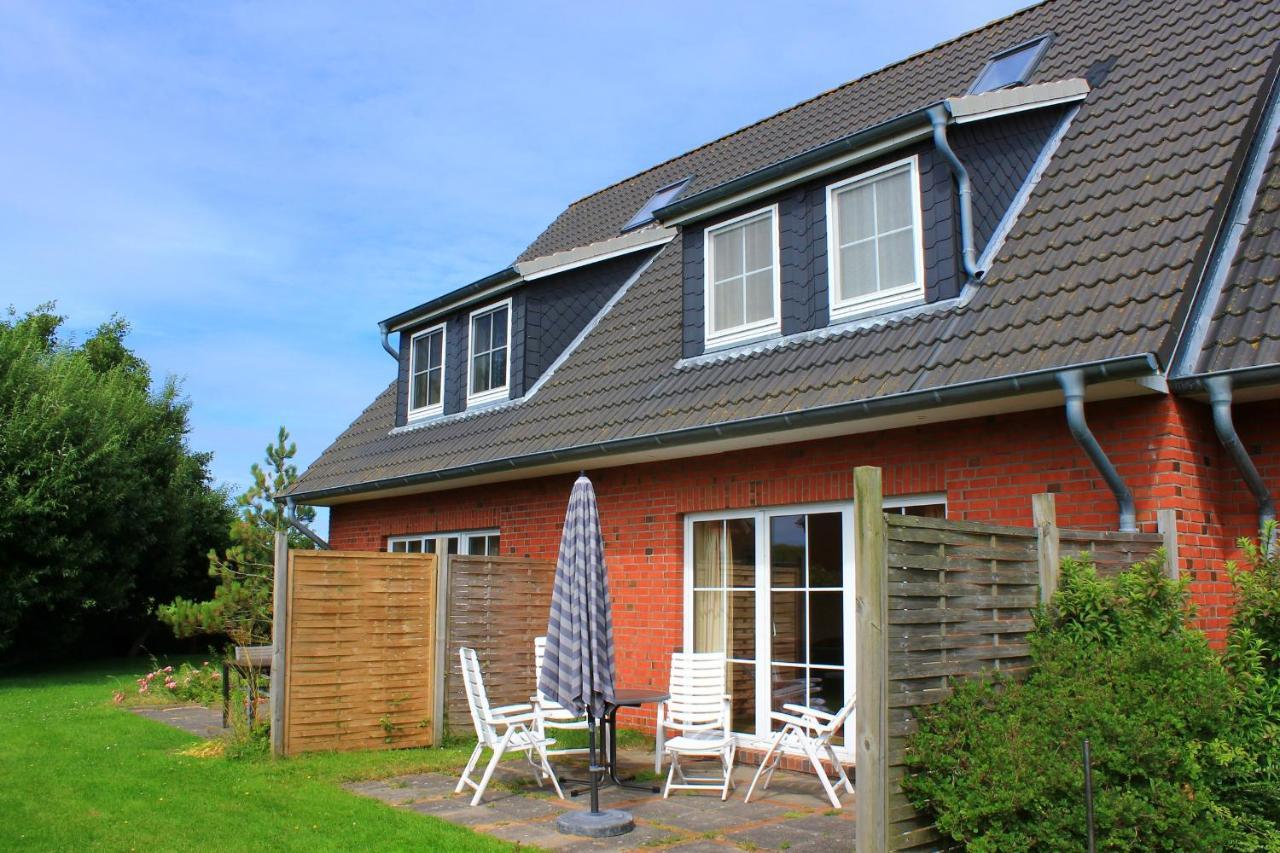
{"type": "Point", "coordinates": [504, 720]}
{"type": "Point", "coordinates": [808, 712]}
{"type": "Point", "coordinates": [521, 708]}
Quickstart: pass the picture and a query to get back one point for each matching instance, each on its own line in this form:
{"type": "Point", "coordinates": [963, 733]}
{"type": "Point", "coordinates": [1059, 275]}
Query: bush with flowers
{"type": "Point", "coordinates": [186, 683]}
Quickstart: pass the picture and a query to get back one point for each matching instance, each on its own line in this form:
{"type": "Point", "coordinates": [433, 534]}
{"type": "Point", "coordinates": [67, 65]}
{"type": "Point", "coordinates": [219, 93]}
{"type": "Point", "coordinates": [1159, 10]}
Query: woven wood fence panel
{"type": "Point", "coordinates": [497, 605]}
{"type": "Point", "coordinates": [359, 651]}
{"type": "Point", "coordinates": [960, 596]}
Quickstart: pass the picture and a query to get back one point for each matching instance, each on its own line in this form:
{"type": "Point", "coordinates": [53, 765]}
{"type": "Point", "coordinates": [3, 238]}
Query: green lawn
{"type": "Point", "coordinates": [79, 773]}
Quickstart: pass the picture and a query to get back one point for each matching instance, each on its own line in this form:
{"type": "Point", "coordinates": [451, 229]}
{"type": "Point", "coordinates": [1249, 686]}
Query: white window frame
{"type": "Point", "coordinates": [842, 309]}
{"type": "Point", "coordinates": [438, 408]}
{"type": "Point", "coordinates": [498, 392]}
{"type": "Point", "coordinates": [750, 331]}
{"type": "Point", "coordinates": [464, 539]}
{"type": "Point", "coordinates": [763, 593]}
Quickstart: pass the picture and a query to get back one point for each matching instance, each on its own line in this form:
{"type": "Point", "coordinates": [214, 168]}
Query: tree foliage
{"type": "Point", "coordinates": [1183, 746]}
{"type": "Point", "coordinates": [103, 508]}
{"type": "Point", "coordinates": [241, 604]}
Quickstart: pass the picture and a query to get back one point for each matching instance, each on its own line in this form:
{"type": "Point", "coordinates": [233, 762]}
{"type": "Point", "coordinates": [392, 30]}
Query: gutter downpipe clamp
{"type": "Point", "coordinates": [386, 344]}
{"type": "Point", "coordinates": [938, 117]}
{"type": "Point", "coordinates": [1219, 388]}
{"type": "Point", "coordinates": [1072, 382]}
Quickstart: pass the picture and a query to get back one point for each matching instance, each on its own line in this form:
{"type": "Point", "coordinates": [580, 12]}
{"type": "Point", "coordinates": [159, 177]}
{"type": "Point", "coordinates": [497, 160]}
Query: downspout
{"type": "Point", "coordinates": [1072, 382]}
{"type": "Point", "coordinates": [386, 344]}
{"type": "Point", "coordinates": [291, 518]}
{"type": "Point", "coordinates": [938, 118]}
{"type": "Point", "coordinates": [1219, 388]}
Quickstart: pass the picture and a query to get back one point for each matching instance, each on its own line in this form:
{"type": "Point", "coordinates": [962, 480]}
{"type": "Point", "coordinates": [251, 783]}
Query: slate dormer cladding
{"type": "Point", "coordinates": [999, 154]}
{"type": "Point", "coordinates": [546, 315]}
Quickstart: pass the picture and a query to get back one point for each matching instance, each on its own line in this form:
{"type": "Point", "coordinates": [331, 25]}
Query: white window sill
{"type": "Point", "coordinates": [425, 414]}
{"type": "Point", "coordinates": [493, 395]}
{"type": "Point", "coordinates": [745, 336]}
{"type": "Point", "coordinates": [876, 303]}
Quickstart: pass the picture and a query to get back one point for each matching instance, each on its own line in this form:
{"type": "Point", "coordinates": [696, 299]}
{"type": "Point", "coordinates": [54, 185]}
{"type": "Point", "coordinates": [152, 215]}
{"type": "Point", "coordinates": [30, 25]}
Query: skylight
{"type": "Point", "coordinates": [661, 198]}
{"type": "Point", "coordinates": [1011, 67]}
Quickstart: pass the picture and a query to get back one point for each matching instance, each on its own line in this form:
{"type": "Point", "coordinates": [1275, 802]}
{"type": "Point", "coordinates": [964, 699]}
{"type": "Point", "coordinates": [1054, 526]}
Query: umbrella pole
{"type": "Point", "coordinates": [593, 767]}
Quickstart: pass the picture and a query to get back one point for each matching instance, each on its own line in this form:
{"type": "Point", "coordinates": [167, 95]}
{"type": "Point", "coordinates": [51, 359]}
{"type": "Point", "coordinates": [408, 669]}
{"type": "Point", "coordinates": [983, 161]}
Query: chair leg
{"type": "Point", "coordinates": [671, 775]}
{"type": "Point", "coordinates": [493, 765]}
{"type": "Point", "coordinates": [764, 762]}
{"type": "Point", "coordinates": [822, 774]}
{"type": "Point", "coordinates": [659, 738]}
{"type": "Point", "coordinates": [726, 761]}
{"type": "Point", "coordinates": [471, 765]}
{"type": "Point", "coordinates": [546, 768]}
{"type": "Point", "coordinates": [844, 777]}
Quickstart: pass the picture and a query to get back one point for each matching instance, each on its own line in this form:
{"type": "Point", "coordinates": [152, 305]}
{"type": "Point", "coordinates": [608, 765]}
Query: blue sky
{"type": "Point", "coordinates": [254, 185]}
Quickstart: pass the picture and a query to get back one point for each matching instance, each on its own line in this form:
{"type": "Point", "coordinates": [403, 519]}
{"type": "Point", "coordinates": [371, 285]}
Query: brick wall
{"type": "Point", "coordinates": [988, 468]}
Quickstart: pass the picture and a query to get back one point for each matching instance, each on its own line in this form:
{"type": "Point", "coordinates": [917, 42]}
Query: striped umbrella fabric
{"type": "Point", "coordinates": [578, 670]}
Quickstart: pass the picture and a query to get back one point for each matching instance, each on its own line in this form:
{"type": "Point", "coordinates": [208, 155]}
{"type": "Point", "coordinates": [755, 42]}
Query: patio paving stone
{"type": "Point", "coordinates": [699, 813]}
{"type": "Point", "coordinates": [193, 719]}
{"type": "Point", "coordinates": [391, 794]}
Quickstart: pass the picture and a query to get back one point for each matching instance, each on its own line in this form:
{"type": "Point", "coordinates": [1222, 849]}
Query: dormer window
{"type": "Point", "coordinates": [875, 256]}
{"type": "Point", "coordinates": [426, 373]}
{"type": "Point", "coordinates": [1011, 67]}
{"type": "Point", "coordinates": [742, 279]}
{"type": "Point", "coordinates": [661, 198]}
{"type": "Point", "coordinates": [489, 365]}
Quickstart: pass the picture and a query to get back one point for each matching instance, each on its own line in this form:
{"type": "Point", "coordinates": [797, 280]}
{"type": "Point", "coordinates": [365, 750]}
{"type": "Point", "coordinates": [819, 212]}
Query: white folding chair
{"type": "Point", "coordinates": [698, 712]}
{"type": "Point", "coordinates": [809, 732]}
{"type": "Point", "coordinates": [554, 715]}
{"type": "Point", "coordinates": [521, 731]}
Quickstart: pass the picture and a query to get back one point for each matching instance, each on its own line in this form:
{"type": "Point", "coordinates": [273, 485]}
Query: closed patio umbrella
{"type": "Point", "coordinates": [578, 669]}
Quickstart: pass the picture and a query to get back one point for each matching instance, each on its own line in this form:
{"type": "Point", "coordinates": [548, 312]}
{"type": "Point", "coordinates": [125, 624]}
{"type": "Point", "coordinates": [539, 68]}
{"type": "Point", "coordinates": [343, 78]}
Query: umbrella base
{"type": "Point", "coordinates": [603, 824]}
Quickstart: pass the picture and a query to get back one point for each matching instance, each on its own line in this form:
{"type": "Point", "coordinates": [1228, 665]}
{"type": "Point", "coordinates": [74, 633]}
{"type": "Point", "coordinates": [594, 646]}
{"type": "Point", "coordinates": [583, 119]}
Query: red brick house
{"type": "Point", "coordinates": [1022, 261]}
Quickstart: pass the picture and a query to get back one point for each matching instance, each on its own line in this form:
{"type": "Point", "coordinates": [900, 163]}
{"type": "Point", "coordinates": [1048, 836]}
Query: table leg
{"type": "Point", "coordinates": [612, 723]}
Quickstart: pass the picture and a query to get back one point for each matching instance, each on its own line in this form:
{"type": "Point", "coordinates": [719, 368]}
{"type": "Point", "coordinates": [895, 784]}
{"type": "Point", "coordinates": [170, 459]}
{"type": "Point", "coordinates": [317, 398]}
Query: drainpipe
{"type": "Point", "coordinates": [291, 518]}
{"type": "Point", "coordinates": [938, 118]}
{"type": "Point", "coordinates": [1072, 382]}
{"type": "Point", "coordinates": [386, 344]}
{"type": "Point", "coordinates": [1219, 388]}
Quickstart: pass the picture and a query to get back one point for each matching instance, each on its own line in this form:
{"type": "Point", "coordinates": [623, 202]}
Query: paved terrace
{"type": "Point", "coordinates": [792, 815]}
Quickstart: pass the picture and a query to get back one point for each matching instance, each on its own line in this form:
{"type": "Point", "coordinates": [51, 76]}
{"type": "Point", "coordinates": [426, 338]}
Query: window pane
{"type": "Point", "coordinates": [789, 685]}
{"type": "Point", "coordinates": [480, 374]}
{"type": "Point", "coordinates": [893, 201]}
{"type": "Point", "coordinates": [421, 352]}
{"type": "Point", "coordinates": [421, 394]}
{"type": "Point", "coordinates": [742, 625]}
{"type": "Point", "coordinates": [708, 621]}
{"type": "Point", "coordinates": [414, 546]}
{"type": "Point", "coordinates": [826, 554]}
{"type": "Point", "coordinates": [707, 559]}
{"type": "Point", "coordinates": [897, 260]}
{"type": "Point", "coordinates": [499, 320]}
{"type": "Point", "coordinates": [480, 333]}
{"type": "Point", "coordinates": [437, 349]}
{"type": "Point", "coordinates": [787, 612]}
{"type": "Point", "coordinates": [498, 374]}
{"type": "Point", "coordinates": [854, 214]}
{"type": "Point", "coordinates": [742, 552]}
{"type": "Point", "coordinates": [494, 545]}
{"type": "Point", "coordinates": [826, 628]}
{"type": "Point", "coordinates": [451, 545]}
{"type": "Point", "coordinates": [433, 387]}
{"type": "Point", "coordinates": [727, 305]}
{"type": "Point", "coordinates": [826, 693]}
{"type": "Point", "coordinates": [858, 270]}
{"type": "Point", "coordinates": [727, 246]}
{"type": "Point", "coordinates": [759, 242]}
{"type": "Point", "coordinates": [399, 547]}
{"type": "Point", "coordinates": [759, 305]}
{"type": "Point", "coordinates": [742, 689]}
{"type": "Point", "coordinates": [429, 546]}
{"type": "Point", "coordinates": [786, 550]}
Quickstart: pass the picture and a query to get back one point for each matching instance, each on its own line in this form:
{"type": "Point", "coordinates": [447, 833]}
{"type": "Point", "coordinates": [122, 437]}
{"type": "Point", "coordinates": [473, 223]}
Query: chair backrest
{"type": "Point", "coordinates": [839, 720]}
{"type": "Point", "coordinates": [697, 690]}
{"type": "Point", "coordinates": [539, 655]}
{"type": "Point", "coordinates": [477, 698]}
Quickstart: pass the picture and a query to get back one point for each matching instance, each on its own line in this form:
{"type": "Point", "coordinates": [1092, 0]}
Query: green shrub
{"type": "Point", "coordinates": [999, 763]}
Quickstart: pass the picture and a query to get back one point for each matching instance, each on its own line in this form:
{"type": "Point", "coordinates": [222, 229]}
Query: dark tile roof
{"type": "Point", "coordinates": [1094, 268]}
{"type": "Point", "coordinates": [1246, 323]}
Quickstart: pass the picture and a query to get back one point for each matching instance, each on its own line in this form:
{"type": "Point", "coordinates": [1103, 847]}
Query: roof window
{"type": "Point", "coordinates": [661, 198]}
{"type": "Point", "coordinates": [1010, 67]}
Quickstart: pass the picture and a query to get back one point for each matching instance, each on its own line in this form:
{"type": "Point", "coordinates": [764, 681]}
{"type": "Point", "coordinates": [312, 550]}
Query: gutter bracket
{"type": "Point", "coordinates": [938, 117]}
{"type": "Point", "coordinates": [1219, 388]}
{"type": "Point", "coordinates": [291, 518]}
{"type": "Point", "coordinates": [1072, 382]}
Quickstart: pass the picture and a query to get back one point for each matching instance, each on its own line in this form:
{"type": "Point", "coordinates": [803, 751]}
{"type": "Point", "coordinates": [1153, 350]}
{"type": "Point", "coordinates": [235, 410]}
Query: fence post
{"type": "Point", "coordinates": [1167, 524]}
{"type": "Point", "coordinates": [872, 662]}
{"type": "Point", "coordinates": [440, 665]}
{"type": "Point", "coordinates": [1044, 513]}
{"type": "Point", "coordinates": [279, 629]}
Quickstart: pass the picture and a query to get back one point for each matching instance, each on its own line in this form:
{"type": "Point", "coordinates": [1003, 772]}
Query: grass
{"type": "Point", "coordinates": [80, 773]}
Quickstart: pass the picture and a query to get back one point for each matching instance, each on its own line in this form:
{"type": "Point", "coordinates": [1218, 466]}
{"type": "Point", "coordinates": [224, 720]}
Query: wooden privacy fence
{"type": "Point", "coordinates": [359, 633]}
{"type": "Point", "coordinates": [497, 605]}
{"type": "Point", "coordinates": [944, 600]}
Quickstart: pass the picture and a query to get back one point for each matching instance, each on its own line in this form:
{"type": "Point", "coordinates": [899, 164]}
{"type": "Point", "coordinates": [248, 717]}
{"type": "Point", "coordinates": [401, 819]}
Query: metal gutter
{"type": "Point", "coordinates": [1124, 367]}
{"type": "Point", "coordinates": [386, 344]}
{"type": "Point", "coordinates": [1241, 377]}
{"type": "Point", "coordinates": [938, 117]}
{"type": "Point", "coordinates": [490, 285]}
{"type": "Point", "coordinates": [1219, 388]}
{"type": "Point", "coordinates": [291, 517]}
{"type": "Point", "coordinates": [1073, 382]}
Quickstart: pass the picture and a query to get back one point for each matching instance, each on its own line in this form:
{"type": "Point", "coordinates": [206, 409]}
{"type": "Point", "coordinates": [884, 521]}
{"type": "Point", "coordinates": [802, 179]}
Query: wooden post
{"type": "Point", "coordinates": [1167, 524]}
{"type": "Point", "coordinates": [279, 631]}
{"type": "Point", "coordinates": [872, 661]}
{"type": "Point", "coordinates": [1044, 513]}
{"type": "Point", "coordinates": [440, 669]}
